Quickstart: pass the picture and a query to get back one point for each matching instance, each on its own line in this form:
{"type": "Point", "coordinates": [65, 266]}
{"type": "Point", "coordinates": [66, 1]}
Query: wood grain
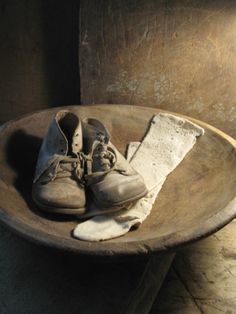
{"type": "Point", "coordinates": [37, 280]}
{"type": "Point", "coordinates": [196, 200]}
{"type": "Point", "coordinates": [174, 55]}
{"type": "Point", "coordinates": [38, 56]}
{"type": "Point", "coordinates": [202, 277]}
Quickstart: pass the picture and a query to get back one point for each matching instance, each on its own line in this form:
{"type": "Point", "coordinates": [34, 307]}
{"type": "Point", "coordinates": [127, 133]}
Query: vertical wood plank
{"type": "Point", "coordinates": [142, 299]}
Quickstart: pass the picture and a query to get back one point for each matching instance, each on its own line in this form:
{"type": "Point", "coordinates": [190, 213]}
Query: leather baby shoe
{"type": "Point", "coordinates": [58, 184]}
{"type": "Point", "coordinates": [111, 180]}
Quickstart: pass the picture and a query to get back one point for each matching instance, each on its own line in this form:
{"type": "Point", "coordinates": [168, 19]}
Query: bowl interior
{"type": "Point", "coordinates": [192, 203]}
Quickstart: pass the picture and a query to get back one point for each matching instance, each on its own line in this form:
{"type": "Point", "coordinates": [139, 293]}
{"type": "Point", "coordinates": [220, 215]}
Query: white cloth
{"type": "Point", "coordinates": [166, 143]}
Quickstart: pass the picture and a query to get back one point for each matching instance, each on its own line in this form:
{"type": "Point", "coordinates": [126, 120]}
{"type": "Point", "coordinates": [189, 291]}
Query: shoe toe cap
{"type": "Point", "coordinates": [118, 189]}
{"type": "Point", "coordinates": [59, 194]}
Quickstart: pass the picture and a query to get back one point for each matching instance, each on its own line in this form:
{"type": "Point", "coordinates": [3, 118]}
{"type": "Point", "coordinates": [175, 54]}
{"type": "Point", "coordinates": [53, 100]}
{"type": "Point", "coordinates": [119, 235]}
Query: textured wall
{"type": "Point", "coordinates": [176, 55]}
{"type": "Point", "coordinates": [38, 55]}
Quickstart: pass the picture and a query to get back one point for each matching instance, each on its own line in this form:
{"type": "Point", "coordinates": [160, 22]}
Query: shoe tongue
{"type": "Point", "coordinates": [93, 130]}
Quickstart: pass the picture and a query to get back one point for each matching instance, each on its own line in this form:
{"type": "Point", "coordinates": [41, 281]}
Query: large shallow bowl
{"type": "Point", "coordinates": [196, 200]}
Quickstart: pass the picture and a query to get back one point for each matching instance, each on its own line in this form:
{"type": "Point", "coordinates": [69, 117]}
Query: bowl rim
{"type": "Point", "coordinates": [134, 248]}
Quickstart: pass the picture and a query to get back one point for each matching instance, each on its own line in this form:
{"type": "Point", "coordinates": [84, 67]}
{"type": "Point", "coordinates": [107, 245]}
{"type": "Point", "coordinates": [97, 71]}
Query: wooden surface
{"type": "Point", "coordinates": [175, 55]}
{"type": "Point", "coordinates": [143, 296]}
{"type": "Point", "coordinates": [202, 278]}
{"type": "Point", "coordinates": [38, 55]}
{"type": "Point", "coordinates": [34, 280]}
{"type": "Point", "coordinates": [196, 199]}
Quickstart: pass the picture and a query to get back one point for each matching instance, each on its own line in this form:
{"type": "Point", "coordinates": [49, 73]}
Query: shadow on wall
{"type": "Point", "coordinates": [60, 26]}
{"type": "Point", "coordinates": [38, 55]}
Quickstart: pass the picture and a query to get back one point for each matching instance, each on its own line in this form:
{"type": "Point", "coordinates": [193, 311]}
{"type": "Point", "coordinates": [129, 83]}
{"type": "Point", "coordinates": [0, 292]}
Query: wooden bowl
{"type": "Point", "coordinates": [197, 199]}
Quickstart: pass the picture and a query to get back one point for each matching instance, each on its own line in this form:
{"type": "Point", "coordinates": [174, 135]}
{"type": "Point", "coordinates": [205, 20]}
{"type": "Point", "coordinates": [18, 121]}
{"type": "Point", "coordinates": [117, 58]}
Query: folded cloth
{"type": "Point", "coordinates": [164, 146]}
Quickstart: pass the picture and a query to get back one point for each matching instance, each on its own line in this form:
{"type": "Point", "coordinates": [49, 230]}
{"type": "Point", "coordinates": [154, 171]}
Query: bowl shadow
{"type": "Point", "coordinates": [21, 156]}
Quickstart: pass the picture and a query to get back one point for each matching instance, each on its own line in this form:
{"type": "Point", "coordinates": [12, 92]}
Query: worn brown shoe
{"type": "Point", "coordinates": [112, 181]}
{"type": "Point", "coordinates": [58, 184]}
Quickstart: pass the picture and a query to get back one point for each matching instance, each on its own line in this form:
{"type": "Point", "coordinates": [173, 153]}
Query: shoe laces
{"type": "Point", "coordinates": [67, 166]}
{"type": "Point", "coordinates": [103, 160]}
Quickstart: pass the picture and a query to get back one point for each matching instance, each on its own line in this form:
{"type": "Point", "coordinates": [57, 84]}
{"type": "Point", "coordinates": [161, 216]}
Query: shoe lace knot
{"type": "Point", "coordinates": [102, 160]}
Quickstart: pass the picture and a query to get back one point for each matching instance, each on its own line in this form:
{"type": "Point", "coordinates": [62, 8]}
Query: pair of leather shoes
{"type": "Point", "coordinates": [77, 156]}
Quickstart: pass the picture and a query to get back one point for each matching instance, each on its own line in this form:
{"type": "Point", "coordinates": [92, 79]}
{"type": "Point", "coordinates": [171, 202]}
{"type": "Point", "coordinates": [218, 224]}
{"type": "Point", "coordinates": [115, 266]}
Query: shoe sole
{"type": "Point", "coordinates": [98, 211]}
{"type": "Point", "coordinates": [59, 210]}
{"type": "Point", "coordinates": [122, 203]}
